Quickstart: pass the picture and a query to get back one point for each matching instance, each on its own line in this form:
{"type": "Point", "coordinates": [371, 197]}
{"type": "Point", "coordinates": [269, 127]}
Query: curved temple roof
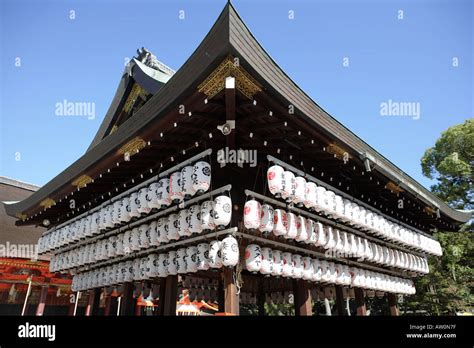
{"type": "Point", "coordinates": [229, 35]}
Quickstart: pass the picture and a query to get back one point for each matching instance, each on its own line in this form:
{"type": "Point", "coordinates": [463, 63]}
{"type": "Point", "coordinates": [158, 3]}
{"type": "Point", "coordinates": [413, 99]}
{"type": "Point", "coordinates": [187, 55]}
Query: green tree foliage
{"type": "Point", "coordinates": [448, 287]}
{"type": "Point", "coordinates": [451, 163]}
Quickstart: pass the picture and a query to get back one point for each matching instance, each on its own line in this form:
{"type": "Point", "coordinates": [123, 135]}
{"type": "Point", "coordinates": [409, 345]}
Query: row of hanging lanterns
{"type": "Point", "coordinates": [288, 225]}
{"type": "Point", "coordinates": [162, 231]}
{"type": "Point", "coordinates": [183, 184]}
{"type": "Point", "coordinates": [192, 259]}
{"type": "Point", "coordinates": [284, 264]}
{"type": "Point", "coordinates": [205, 217]}
{"type": "Point", "coordinates": [202, 295]}
{"type": "Point", "coordinates": [297, 190]}
{"type": "Point", "coordinates": [190, 282]}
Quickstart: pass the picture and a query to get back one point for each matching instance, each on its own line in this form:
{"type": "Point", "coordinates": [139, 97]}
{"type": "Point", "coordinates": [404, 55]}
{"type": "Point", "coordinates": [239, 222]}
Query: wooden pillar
{"type": "Point", "coordinates": [231, 298]}
{"type": "Point", "coordinates": [392, 302]}
{"type": "Point", "coordinates": [221, 295]}
{"type": "Point", "coordinates": [110, 306]}
{"type": "Point", "coordinates": [93, 302]}
{"type": "Point", "coordinates": [127, 303]}
{"type": "Point", "coordinates": [261, 298]}
{"type": "Point", "coordinates": [360, 301]}
{"type": "Point", "coordinates": [42, 300]}
{"type": "Point", "coordinates": [340, 301]}
{"type": "Point", "coordinates": [171, 295]}
{"type": "Point", "coordinates": [161, 300]}
{"type": "Point", "coordinates": [302, 298]}
{"type": "Point", "coordinates": [70, 310]}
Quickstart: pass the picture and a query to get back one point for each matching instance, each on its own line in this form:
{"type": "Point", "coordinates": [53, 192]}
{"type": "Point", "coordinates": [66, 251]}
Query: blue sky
{"type": "Point", "coordinates": [82, 59]}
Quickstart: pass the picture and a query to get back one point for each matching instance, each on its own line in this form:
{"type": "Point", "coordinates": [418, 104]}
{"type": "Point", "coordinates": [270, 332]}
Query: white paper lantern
{"type": "Point", "coordinates": [292, 229]}
{"type": "Point", "coordinates": [287, 265]}
{"type": "Point", "coordinates": [173, 225]}
{"type": "Point", "coordinates": [320, 204]}
{"type": "Point", "coordinates": [253, 258]}
{"type": "Point", "coordinates": [112, 248]}
{"type": "Point", "coordinates": [252, 213]}
{"type": "Point", "coordinates": [152, 196]}
{"type": "Point", "coordinates": [325, 272]}
{"type": "Point", "coordinates": [154, 236]}
{"type": "Point", "coordinates": [203, 256]}
{"type": "Point", "coordinates": [135, 239]}
{"type": "Point", "coordinates": [215, 260]}
{"type": "Point", "coordinates": [119, 245]}
{"type": "Point", "coordinates": [108, 223]}
{"type": "Point", "coordinates": [311, 230]}
{"type": "Point", "coordinates": [339, 241]}
{"type": "Point", "coordinates": [275, 180]}
{"type": "Point", "coordinates": [302, 234]}
{"type": "Point", "coordinates": [222, 212]}
{"type": "Point", "coordinates": [297, 266]}
{"type": "Point", "coordinates": [307, 268]}
{"type": "Point", "coordinates": [142, 202]}
{"type": "Point", "coordinates": [288, 186]}
{"type": "Point", "coordinates": [162, 230]}
{"type": "Point", "coordinates": [321, 234]}
{"type": "Point", "coordinates": [346, 244]}
{"type": "Point", "coordinates": [267, 261]}
{"type": "Point", "coordinates": [355, 214]}
{"type": "Point", "coordinates": [163, 192]}
{"type": "Point", "coordinates": [176, 193]}
{"type": "Point", "coordinates": [183, 227]}
{"type": "Point", "coordinates": [201, 177]}
{"type": "Point", "coordinates": [229, 251]}
{"type": "Point", "coordinates": [331, 237]}
{"type": "Point", "coordinates": [299, 191]}
{"type": "Point", "coordinates": [163, 265]}
{"type": "Point", "coordinates": [195, 219]}
{"type": "Point", "coordinates": [317, 270]}
{"type": "Point", "coordinates": [134, 203]}
{"type": "Point", "coordinates": [187, 182]}
{"type": "Point", "coordinates": [191, 259]}
{"type": "Point", "coordinates": [145, 238]}
{"type": "Point", "coordinates": [266, 218]}
{"type": "Point", "coordinates": [124, 210]}
{"type": "Point", "coordinates": [152, 266]}
{"type": "Point", "coordinates": [172, 263]}
{"type": "Point", "coordinates": [277, 269]}
{"type": "Point", "coordinates": [310, 195]}
{"type": "Point", "coordinates": [280, 223]}
{"type": "Point", "coordinates": [181, 261]}
{"type": "Point", "coordinates": [207, 216]}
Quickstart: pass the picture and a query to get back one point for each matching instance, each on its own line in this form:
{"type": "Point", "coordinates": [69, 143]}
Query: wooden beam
{"type": "Point", "coordinates": [42, 300]}
{"type": "Point", "coordinates": [340, 301]}
{"type": "Point", "coordinates": [230, 109]}
{"type": "Point", "coordinates": [360, 301]}
{"type": "Point", "coordinates": [302, 298]}
{"type": "Point", "coordinates": [392, 302]}
{"type": "Point", "coordinates": [171, 295]}
{"type": "Point", "coordinates": [231, 298]}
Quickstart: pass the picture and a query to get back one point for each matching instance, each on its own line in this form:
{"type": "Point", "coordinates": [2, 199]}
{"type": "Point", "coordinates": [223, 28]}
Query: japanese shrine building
{"type": "Point", "coordinates": [231, 95]}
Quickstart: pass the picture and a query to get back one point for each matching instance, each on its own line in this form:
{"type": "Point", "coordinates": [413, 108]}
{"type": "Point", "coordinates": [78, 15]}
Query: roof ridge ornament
{"type": "Point", "coordinates": [149, 59]}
